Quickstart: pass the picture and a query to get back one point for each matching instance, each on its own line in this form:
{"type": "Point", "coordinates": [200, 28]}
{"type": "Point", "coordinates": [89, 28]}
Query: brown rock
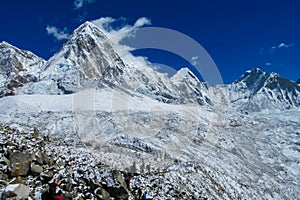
{"type": "Point", "coordinates": [21, 159]}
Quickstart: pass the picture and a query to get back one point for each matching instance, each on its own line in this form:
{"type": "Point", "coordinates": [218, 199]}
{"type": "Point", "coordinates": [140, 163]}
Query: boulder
{"type": "Point", "coordinates": [36, 169]}
{"type": "Point", "coordinates": [67, 186]}
{"type": "Point", "coordinates": [21, 159]}
{"type": "Point", "coordinates": [118, 192]}
{"type": "Point", "coordinates": [18, 191]}
{"type": "Point", "coordinates": [37, 157]}
{"type": "Point", "coordinates": [47, 159]}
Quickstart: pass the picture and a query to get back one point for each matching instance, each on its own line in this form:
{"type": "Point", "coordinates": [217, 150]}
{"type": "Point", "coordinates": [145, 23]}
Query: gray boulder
{"type": "Point", "coordinates": [36, 169]}
{"type": "Point", "coordinates": [17, 191]}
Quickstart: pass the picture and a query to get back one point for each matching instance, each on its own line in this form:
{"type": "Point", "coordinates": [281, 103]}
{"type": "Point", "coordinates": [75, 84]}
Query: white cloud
{"type": "Point", "coordinates": [58, 34]}
{"type": "Point", "coordinates": [283, 45]}
{"type": "Point", "coordinates": [80, 3]}
{"type": "Point", "coordinates": [142, 22]}
{"type": "Point", "coordinates": [195, 60]}
{"type": "Point", "coordinates": [273, 49]}
{"type": "Point", "coordinates": [117, 34]}
{"type": "Point", "coordinates": [103, 22]}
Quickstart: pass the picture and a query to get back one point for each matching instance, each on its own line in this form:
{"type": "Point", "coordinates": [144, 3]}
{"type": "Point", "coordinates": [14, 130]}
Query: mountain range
{"type": "Point", "coordinates": [241, 138]}
{"type": "Point", "coordinates": [88, 60]}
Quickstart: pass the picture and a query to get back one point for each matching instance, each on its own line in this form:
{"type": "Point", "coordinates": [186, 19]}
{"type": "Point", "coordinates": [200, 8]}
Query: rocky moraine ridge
{"type": "Point", "coordinates": [29, 162]}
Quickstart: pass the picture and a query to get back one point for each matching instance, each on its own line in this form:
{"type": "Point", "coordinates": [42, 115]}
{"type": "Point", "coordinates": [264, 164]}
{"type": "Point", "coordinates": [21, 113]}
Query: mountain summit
{"type": "Point", "coordinates": [257, 90]}
{"type": "Point", "coordinates": [86, 56]}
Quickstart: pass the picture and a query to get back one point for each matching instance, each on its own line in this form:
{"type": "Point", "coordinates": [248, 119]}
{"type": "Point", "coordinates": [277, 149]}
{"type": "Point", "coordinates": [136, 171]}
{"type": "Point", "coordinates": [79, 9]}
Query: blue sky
{"type": "Point", "coordinates": [238, 35]}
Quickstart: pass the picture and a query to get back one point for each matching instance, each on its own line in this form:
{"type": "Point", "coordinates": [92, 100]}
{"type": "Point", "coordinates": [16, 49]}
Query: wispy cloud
{"type": "Point", "coordinates": [116, 30]}
{"type": "Point", "coordinates": [195, 60]}
{"type": "Point", "coordinates": [81, 3]}
{"type": "Point", "coordinates": [58, 34]}
{"type": "Point", "coordinates": [116, 33]}
{"type": "Point", "coordinates": [142, 22]}
{"type": "Point", "coordinates": [273, 49]}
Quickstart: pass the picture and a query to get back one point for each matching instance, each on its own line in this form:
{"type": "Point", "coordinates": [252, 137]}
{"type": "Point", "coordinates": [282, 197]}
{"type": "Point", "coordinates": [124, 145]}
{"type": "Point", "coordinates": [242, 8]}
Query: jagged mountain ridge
{"type": "Point", "coordinates": [257, 90]}
{"type": "Point", "coordinates": [17, 68]}
{"type": "Point", "coordinates": [83, 60]}
{"type": "Point", "coordinates": [88, 59]}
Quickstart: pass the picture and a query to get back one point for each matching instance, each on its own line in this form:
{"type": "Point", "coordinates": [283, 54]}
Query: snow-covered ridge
{"type": "Point", "coordinates": [88, 60]}
{"type": "Point", "coordinates": [17, 68]}
{"type": "Point", "coordinates": [257, 90]}
{"type": "Point", "coordinates": [27, 62]}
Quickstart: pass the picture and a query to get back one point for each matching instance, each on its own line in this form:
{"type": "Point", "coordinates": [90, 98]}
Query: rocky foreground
{"type": "Point", "coordinates": [30, 161]}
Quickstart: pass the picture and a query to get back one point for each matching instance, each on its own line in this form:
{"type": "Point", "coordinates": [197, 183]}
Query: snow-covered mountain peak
{"type": "Point", "coordinates": [17, 67]}
{"type": "Point", "coordinates": [257, 90]}
{"type": "Point", "coordinates": [298, 81]}
{"type": "Point", "coordinates": [85, 58]}
{"type": "Point", "coordinates": [86, 26]}
{"type": "Point", "coordinates": [184, 73]}
{"type": "Point", "coordinates": [10, 50]}
{"type": "Point", "coordinates": [88, 30]}
{"type": "Point", "coordinates": [256, 79]}
{"type": "Point", "coordinates": [253, 77]}
{"type": "Point", "coordinates": [4, 44]}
